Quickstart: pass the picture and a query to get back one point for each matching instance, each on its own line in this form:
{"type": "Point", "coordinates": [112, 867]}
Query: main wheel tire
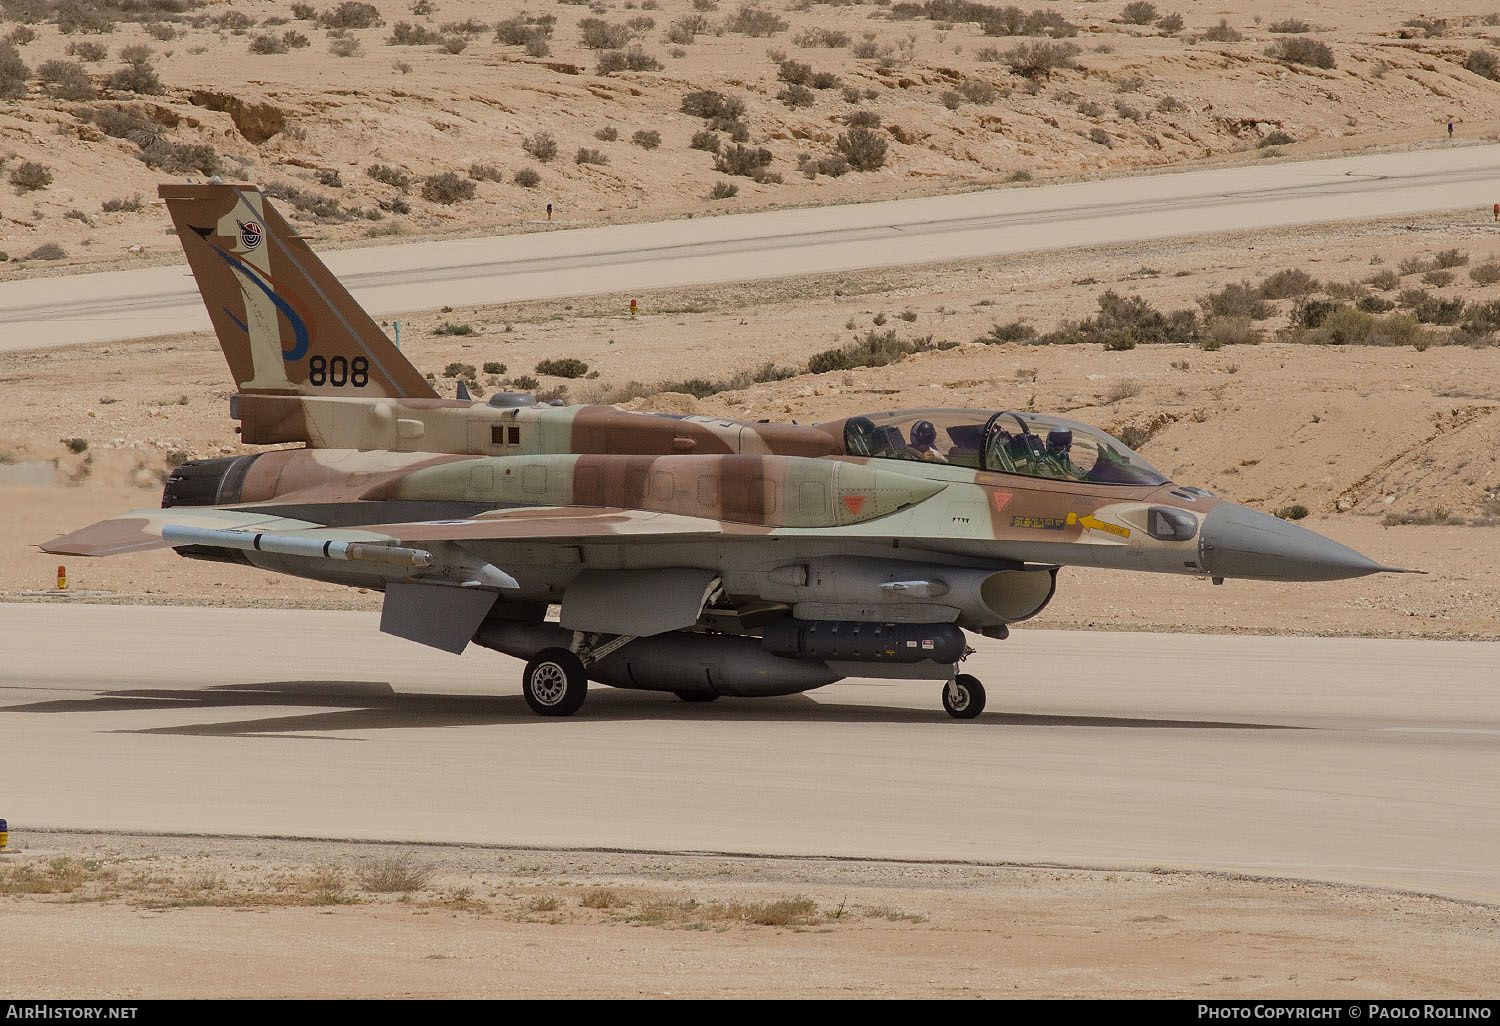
{"type": "Point", "coordinates": [969, 702]}
{"type": "Point", "coordinates": [555, 683]}
{"type": "Point", "coordinates": [697, 696]}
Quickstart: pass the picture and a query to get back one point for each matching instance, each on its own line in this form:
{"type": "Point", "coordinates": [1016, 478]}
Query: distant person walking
{"type": "Point", "coordinates": [1450, 130]}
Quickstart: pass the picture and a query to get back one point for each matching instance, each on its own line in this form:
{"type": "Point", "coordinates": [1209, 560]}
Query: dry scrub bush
{"type": "Point", "coordinates": [1292, 283]}
{"type": "Point", "coordinates": [1297, 50]}
{"type": "Point", "coordinates": [83, 18]}
{"type": "Point", "coordinates": [1484, 63]}
{"type": "Point", "coordinates": [566, 367]}
{"type": "Point", "coordinates": [1237, 300]}
{"type": "Point", "coordinates": [1487, 273]}
{"type": "Point", "coordinates": [633, 59]}
{"type": "Point", "coordinates": [404, 33]}
{"type": "Point", "coordinates": [136, 77]}
{"type": "Point", "coordinates": [392, 874]}
{"type": "Point", "coordinates": [1222, 33]}
{"type": "Point", "coordinates": [709, 104]}
{"type": "Point", "coordinates": [388, 175]}
{"type": "Point", "coordinates": [826, 37]}
{"type": "Point", "coordinates": [686, 29]}
{"type": "Point", "coordinates": [542, 146]}
{"type": "Point", "coordinates": [467, 27]}
{"type": "Point", "coordinates": [87, 51]}
{"type": "Point", "coordinates": [598, 34]}
{"type": "Point", "coordinates": [978, 91]}
{"type": "Point", "coordinates": [29, 176]}
{"type": "Point", "coordinates": [179, 158]}
{"type": "Point", "coordinates": [447, 188]}
{"type": "Point", "coordinates": [743, 161]}
{"type": "Point", "coordinates": [863, 148]}
{"type": "Point", "coordinates": [796, 96]}
{"type": "Point", "coordinates": [876, 349]}
{"type": "Point", "coordinates": [1040, 60]}
{"type": "Point", "coordinates": [66, 80]}
{"type": "Point", "coordinates": [350, 15]}
{"type": "Point", "coordinates": [755, 22]}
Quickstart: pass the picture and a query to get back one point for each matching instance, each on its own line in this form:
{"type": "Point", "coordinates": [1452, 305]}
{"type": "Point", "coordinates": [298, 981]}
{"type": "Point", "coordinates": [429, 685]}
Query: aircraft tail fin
{"type": "Point", "coordinates": [285, 323]}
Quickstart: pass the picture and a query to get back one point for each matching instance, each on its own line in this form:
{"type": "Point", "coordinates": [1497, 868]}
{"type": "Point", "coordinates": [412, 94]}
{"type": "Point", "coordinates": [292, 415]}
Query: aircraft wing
{"type": "Point", "coordinates": [141, 530]}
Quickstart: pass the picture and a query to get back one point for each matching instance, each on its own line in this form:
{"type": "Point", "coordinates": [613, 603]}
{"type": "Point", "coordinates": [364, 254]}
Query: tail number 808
{"type": "Point", "coordinates": [338, 371]}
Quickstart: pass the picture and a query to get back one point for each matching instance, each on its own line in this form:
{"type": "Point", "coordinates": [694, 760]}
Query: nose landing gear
{"type": "Point", "coordinates": [963, 697]}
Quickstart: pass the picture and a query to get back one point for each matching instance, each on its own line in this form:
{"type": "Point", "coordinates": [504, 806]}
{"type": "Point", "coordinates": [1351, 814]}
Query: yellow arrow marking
{"type": "Point", "coordinates": [1091, 524]}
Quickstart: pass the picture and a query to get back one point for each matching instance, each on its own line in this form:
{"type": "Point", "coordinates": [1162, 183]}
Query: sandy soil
{"type": "Point", "coordinates": [1358, 435]}
{"type": "Point", "coordinates": [160, 917]}
{"type": "Point", "coordinates": [952, 112]}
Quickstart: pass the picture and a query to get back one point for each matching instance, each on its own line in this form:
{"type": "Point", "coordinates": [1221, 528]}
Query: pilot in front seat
{"type": "Point", "coordinates": [924, 441]}
{"type": "Point", "coordinates": [1058, 461]}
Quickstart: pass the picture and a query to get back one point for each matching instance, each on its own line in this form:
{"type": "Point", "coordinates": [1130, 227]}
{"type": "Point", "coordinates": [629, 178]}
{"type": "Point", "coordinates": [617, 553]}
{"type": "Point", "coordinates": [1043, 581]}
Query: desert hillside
{"type": "Point", "coordinates": [400, 118]}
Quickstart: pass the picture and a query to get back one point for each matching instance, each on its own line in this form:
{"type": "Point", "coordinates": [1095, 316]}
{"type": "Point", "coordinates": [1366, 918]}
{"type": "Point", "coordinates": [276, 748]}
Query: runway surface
{"type": "Point", "coordinates": [1354, 760]}
{"type": "Point", "coordinates": [48, 312]}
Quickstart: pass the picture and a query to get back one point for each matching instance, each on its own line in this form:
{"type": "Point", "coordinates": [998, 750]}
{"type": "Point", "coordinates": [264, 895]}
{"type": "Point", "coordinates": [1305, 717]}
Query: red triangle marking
{"type": "Point", "coordinates": [854, 503]}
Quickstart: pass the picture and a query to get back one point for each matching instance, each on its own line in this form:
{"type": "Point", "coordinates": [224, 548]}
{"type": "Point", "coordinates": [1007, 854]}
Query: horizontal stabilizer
{"type": "Point", "coordinates": [140, 530]}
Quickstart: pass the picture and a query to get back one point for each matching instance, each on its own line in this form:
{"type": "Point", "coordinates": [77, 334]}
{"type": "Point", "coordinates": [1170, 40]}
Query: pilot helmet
{"type": "Point", "coordinates": [923, 434]}
{"type": "Point", "coordinates": [1059, 440]}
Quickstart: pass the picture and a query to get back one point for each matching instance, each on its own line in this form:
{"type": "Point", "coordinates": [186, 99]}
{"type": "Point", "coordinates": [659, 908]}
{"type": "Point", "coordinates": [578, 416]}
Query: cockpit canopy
{"type": "Point", "coordinates": [1035, 445]}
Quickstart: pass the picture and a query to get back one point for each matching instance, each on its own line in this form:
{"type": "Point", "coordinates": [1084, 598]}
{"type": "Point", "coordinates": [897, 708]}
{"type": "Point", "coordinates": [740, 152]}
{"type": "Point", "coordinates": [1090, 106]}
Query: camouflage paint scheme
{"type": "Point", "coordinates": [689, 554]}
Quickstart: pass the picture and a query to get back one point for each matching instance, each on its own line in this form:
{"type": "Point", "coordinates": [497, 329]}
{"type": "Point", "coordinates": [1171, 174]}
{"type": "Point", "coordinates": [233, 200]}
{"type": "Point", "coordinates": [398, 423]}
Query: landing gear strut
{"type": "Point", "coordinates": [555, 683]}
{"type": "Point", "coordinates": [963, 697]}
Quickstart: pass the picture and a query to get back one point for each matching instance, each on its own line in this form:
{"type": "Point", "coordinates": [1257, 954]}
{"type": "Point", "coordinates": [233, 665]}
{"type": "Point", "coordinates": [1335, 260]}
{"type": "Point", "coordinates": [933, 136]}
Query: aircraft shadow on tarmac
{"type": "Point", "coordinates": [375, 705]}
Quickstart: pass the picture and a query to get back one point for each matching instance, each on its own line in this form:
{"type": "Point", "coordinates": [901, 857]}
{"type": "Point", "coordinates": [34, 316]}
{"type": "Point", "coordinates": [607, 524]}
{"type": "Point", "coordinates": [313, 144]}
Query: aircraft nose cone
{"type": "Point", "coordinates": [1239, 542]}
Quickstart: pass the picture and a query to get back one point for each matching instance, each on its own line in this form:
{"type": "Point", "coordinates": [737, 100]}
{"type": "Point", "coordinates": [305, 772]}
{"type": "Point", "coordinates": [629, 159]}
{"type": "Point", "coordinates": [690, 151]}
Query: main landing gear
{"type": "Point", "coordinates": [555, 683]}
{"type": "Point", "coordinates": [556, 680]}
{"type": "Point", "coordinates": [963, 697]}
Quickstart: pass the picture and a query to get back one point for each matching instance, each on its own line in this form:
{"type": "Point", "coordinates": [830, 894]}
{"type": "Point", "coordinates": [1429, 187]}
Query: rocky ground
{"type": "Point", "coordinates": [108, 916]}
{"type": "Point", "coordinates": [109, 99]}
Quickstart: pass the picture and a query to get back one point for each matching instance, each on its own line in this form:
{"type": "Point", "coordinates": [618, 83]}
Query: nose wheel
{"type": "Point", "coordinates": [555, 683]}
{"type": "Point", "coordinates": [963, 697]}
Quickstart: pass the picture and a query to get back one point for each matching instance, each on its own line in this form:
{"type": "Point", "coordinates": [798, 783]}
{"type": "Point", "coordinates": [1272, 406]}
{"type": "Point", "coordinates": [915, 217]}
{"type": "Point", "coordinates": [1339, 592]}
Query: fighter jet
{"type": "Point", "coordinates": [695, 555]}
